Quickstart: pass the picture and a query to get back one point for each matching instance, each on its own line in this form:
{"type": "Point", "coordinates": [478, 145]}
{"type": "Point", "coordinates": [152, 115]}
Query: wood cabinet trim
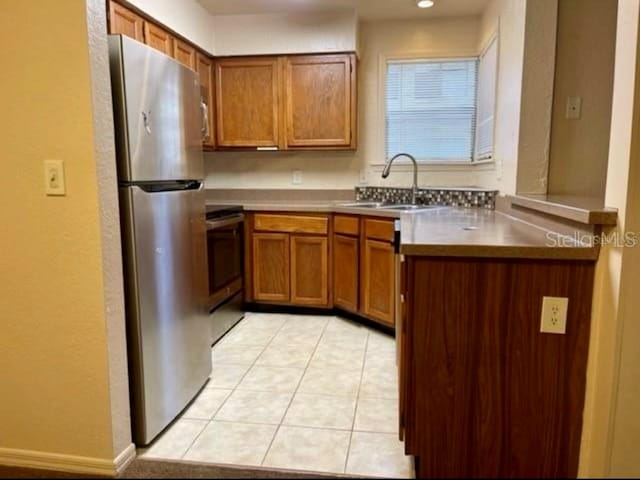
{"type": "Point", "coordinates": [258, 294]}
{"type": "Point", "coordinates": [346, 272]}
{"type": "Point", "coordinates": [291, 223]}
{"type": "Point", "coordinates": [248, 62]}
{"type": "Point", "coordinates": [368, 282]}
{"type": "Point", "coordinates": [379, 229]}
{"type": "Point", "coordinates": [320, 275]}
{"type": "Point", "coordinates": [346, 225]}
{"type": "Point", "coordinates": [119, 11]}
{"type": "Point", "coordinates": [346, 139]}
{"type": "Point", "coordinates": [184, 53]}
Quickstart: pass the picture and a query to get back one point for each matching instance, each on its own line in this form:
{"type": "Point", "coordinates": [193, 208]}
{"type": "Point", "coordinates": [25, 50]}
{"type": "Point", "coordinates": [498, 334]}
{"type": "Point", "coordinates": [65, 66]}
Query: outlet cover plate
{"type": "Point", "coordinates": [554, 315]}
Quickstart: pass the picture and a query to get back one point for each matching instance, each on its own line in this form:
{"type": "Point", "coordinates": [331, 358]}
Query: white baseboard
{"type": "Point", "coordinates": [67, 463]}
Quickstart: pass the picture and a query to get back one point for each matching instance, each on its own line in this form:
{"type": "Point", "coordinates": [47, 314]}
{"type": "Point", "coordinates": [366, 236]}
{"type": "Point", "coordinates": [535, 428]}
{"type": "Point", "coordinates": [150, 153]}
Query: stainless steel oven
{"type": "Point", "coordinates": [225, 233]}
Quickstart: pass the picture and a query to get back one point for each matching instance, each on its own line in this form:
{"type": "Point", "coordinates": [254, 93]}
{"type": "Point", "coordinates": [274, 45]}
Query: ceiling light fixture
{"type": "Point", "coordinates": [425, 3]}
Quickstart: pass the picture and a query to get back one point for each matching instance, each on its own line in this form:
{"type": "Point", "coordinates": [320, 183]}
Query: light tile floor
{"type": "Point", "coordinates": [300, 392]}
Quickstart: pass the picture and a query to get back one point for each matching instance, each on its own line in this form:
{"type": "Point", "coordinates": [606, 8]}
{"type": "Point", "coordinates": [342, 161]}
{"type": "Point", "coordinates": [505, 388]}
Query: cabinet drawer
{"type": "Point", "coordinates": [379, 229]}
{"type": "Point", "coordinates": [346, 225]}
{"type": "Point", "coordinates": [291, 223]}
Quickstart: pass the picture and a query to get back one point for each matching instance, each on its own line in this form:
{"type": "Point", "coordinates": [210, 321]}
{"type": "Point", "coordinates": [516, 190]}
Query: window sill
{"type": "Point", "coordinates": [402, 165]}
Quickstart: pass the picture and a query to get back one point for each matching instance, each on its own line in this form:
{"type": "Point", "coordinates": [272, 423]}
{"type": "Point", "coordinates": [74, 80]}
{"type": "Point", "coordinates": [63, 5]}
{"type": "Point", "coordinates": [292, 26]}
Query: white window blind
{"type": "Point", "coordinates": [487, 79]}
{"type": "Point", "coordinates": [431, 108]}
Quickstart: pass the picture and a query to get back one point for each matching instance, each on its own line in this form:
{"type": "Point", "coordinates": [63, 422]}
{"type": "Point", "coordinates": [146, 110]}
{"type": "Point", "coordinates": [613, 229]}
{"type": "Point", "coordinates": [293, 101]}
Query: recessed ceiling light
{"type": "Point", "coordinates": [425, 3]}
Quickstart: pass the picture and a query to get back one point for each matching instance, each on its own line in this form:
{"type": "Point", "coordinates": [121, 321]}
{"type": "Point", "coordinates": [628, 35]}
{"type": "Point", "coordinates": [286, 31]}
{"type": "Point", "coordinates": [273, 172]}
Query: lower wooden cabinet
{"type": "Point", "coordinates": [319, 261]}
{"type": "Point", "coordinates": [271, 281]}
{"type": "Point", "coordinates": [309, 271]}
{"type": "Point", "coordinates": [346, 262]}
{"type": "Point", "coordinates": [377, 281]}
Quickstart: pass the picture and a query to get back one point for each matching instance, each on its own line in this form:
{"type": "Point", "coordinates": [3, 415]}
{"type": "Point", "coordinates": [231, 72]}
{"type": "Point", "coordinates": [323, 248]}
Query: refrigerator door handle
{"type": "Point", "coordinates": [205, 120]}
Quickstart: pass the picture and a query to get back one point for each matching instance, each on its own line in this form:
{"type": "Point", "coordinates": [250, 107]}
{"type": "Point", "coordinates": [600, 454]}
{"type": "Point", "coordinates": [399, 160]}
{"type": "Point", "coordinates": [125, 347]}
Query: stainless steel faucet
{"type": "Point", "coordinates": [414, 188]}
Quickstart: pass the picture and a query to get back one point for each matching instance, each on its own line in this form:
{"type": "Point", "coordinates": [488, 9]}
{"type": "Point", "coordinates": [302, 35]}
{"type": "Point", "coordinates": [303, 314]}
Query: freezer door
{"type": "Point", "coordinates": [158, 115]}
{"type": "Point", "coordinates": [167, 318]}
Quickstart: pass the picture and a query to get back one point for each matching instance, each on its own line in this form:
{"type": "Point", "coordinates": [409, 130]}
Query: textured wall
{"type": "Point", "coordinates": [584, 67]}
{"type": "Point", "coordinates": [105, 158]}
{"type": "Point", "coordinates": [53, 345]}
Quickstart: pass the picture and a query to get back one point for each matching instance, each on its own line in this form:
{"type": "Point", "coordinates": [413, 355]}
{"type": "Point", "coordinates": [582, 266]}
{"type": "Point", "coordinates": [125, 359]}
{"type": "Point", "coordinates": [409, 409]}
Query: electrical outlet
{"type": "Point", "coordinates": [296, 177]}
{"type": "Point", "coordinates": [364, 176]}
{"type": "Point", "coordinates": [54, 177]}
{"type": "Point", "coordinates": [554, 315]}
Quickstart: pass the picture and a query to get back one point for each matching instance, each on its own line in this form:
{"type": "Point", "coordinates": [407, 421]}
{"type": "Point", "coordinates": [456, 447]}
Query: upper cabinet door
{"type": "Point", "coordinates": [184, 53]}
{"type": "Point", "coordinates": [320, 101]}
{"type": "Point", "coordinates": [124, 21]}
{"type": "Point", "coordinates": [158, 38]}
{"type": "Point", "coordinates": [204, 66]}
{"type": "Point", "coordinates": [247, 96]}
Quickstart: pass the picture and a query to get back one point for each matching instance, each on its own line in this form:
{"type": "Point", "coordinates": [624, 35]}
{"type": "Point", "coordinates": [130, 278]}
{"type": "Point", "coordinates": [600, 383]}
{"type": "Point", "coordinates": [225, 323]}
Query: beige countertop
{"type": "Point", "coordinates": [453, 231]}
{"type": "Point", "coordinates": [582, 209]}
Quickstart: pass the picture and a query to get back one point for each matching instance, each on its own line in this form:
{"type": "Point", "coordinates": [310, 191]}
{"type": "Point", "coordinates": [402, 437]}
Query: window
{"type": "Point", "coordinates": [487, 79]}
{"type": "Point", "coordinates": [441, 110]}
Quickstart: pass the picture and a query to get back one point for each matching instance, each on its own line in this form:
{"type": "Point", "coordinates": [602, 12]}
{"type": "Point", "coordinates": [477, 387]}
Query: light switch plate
{"type": "Point", "coordinates": [554, 315]}
{"type": "Point", "coordinates": [54, 177]}
{"type": "Point", "coordinates": [296, 177]}
{"type": "Point", "coordinates": [574, 108]}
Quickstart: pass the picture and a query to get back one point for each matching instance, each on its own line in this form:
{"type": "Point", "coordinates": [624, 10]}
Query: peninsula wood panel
{"type": "Point", "coordinates": [500, 399]}
{"type": "Point", "coordinates": [309, 271]}
{"type": "Point", "coordinates": [346, 263]}
{"type": "Point", "coordinates": [247, 102]}
{"type": "Point", "coordinates": [184, 53]}
{"type": "Point", "coordinates": [377, 281]}
{"type": "Point", "coordinates": [204, 67]}
{"type": "Point", "coordinates": [124, 21]}
{"type": "Point", "coordinates": [319, 109]}
{"type": "Point", "coordinates": [158, 38]}
{"type": "Point", "coordinates": [271, 267]}
{"type": "Point", "coordinates": [346, 224]}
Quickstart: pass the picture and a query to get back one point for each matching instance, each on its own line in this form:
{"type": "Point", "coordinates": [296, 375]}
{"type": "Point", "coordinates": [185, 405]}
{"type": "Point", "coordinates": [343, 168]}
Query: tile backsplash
{"type": "Point", "coordinates": [472, 197]}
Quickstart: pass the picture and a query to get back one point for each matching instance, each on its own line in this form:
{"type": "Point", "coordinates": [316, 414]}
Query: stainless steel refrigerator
{"type": "Point", "coordinates": [159, 129]}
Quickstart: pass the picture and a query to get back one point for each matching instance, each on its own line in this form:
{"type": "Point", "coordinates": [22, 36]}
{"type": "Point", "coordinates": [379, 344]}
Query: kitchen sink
{"type": "Point", "coordinates": [365, 205]}
{"type": "Point", "coordinates": [388, 206]}
{"type": "Point", "coordinates": [407, 208]}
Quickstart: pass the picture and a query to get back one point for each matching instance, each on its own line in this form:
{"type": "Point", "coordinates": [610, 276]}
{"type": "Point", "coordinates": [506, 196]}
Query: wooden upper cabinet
{"type": "Point", "coordinates": [125, 22]}
{"type": "Point", "coordinates": [378, 281]}
{"type": "Point", "coordinates": [158, 38]}
{"type": "Point", "coordinates": [270, 252]}
{"type": "Point", "coordinates": [345, 272]}
{"type": "Point", "coordinates": [204, 67]}
{"type": "Point", "coordinates": [184, 53]}
{"type": "Point", "coordinates": [320, 107]}
{"type": "Point", "coordinates": [247, 99]}
{"type": "Point", "coordinates": [309, 271]}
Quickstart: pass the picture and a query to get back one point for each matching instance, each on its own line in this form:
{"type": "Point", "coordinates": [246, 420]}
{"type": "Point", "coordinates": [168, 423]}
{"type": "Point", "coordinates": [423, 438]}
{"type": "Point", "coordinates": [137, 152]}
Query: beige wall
{"type": "Point", "coordinates": [440, 37]}
{"type": "Point", "coordinates": [507, 17]}
{"type": "Point", "coordinates": [56, 360]}
{"type": "Point", "coordinates": [187, 17]}
{"type": "Point", "coordinates": [611, 431]}
{"type": "Point", "coordinates": [584, 66]}
{"type": "Point", "coordinates": [286, 33]}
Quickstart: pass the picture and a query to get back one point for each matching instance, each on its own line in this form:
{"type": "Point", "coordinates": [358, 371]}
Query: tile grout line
{"type": "Point", "coordinates": [210, 421]}
{"type": "Point", "coordinates": [355, 412]}
{"type": "Point", "coordinates": [324, 329]}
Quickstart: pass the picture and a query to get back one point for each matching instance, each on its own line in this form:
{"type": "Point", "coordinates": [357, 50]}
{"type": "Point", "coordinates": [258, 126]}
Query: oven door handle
{"type": "Point", "coordinates": [225, 222]}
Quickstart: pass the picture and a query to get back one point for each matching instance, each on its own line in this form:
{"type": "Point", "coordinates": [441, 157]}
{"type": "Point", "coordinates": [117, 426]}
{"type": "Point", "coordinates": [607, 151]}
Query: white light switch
{"type": "Point", "coordinates": [296, 177]}
{"type": "Point", "coordinates": [554, 315]}
{"type": "Point", "coordinates": [574, 108]}
{"type": "Point", "coordinates": [364, 176]}
{"type": "Point", "coordinates": [54, 177]}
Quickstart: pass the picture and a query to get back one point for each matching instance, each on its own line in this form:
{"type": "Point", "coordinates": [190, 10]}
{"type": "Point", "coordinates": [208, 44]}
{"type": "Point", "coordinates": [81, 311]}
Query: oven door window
{"type": "Point", "coordinates": [225, 256]}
